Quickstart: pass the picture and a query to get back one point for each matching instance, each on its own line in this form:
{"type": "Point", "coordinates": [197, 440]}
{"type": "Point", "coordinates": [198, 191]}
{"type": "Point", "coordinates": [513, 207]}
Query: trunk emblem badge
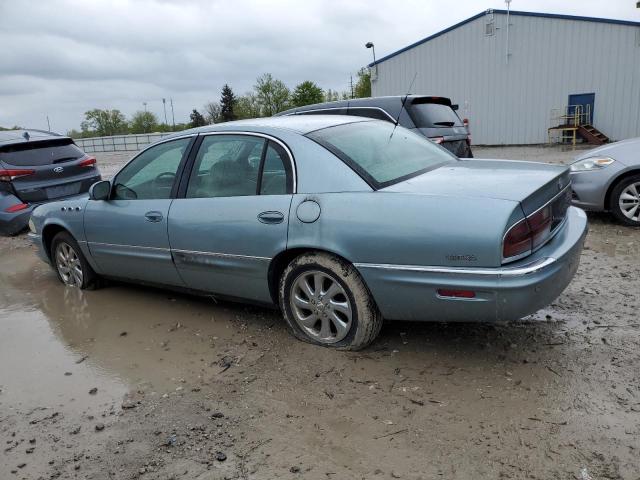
{"type": "Point", "coordinates": [58, 169]}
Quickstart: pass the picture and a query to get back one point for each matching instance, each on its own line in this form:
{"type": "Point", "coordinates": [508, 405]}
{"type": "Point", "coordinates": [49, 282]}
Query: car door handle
{"type": "Point", "coordinates": [271, 217]}
{"type": "Point", "coordinates": [154, 216]}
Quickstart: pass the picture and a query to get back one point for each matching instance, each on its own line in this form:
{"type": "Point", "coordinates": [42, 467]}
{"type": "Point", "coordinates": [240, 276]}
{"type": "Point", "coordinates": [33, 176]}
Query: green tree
{"type": "Point", "coordinates": [227, 101]}
{"type": "Point", "coordinates": [273, 95]}
{"type": "Point", "coordinates": [104, 123]}
{"type": "Point", "coordinates": [143, 122]}
{"type": "Point", "coordinates": [307, 93]}
{"type": "Point", "coordinates": [197, 120]}
{"type": "Point", "coordinates": [363, 85]}
{"type": "Point", "coordinates": [247, 106]}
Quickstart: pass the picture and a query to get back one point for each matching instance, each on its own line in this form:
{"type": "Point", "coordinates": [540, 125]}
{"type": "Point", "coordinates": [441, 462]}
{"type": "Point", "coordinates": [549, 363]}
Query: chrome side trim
{"type": "Point", "coordinates": [128, 246]}
{"type": "Point", "coordinates": [294, 172]}
{"type": "Point", "coordinates": [500, 271]}
{"type": "Point", "coordinates": [220, 255]}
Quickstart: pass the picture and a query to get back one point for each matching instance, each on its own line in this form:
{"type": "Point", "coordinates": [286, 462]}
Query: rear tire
{"type": "Point", "coordinates": [325, 302]}
{"type": "Point", "coordinates": [625, 201]}
{"type": "Point", "coordinates": [70, 264]}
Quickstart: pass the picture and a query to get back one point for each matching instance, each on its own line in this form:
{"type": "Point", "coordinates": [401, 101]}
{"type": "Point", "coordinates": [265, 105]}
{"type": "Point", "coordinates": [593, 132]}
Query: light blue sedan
{"type": "Point", "coordinates": [339, 221]}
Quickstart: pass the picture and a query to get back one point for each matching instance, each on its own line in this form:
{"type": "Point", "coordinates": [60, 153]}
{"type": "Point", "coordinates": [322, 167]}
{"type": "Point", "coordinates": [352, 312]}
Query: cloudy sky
{"type": "Point", "coordinates": [63, 57]}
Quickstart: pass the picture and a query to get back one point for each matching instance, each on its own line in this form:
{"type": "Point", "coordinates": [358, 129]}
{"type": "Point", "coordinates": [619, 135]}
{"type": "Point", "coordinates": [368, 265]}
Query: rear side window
{"type": "Point", "coordinates": [433, 115]}
{"type": "Point", "coordinates": [376, 113]}
{"type": "Point", "coordinates": [276, 172]}
{"type": "Point", "coordinates": [36, 154]}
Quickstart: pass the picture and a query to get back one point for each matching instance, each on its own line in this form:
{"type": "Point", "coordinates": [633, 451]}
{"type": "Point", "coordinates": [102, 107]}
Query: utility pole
{"type": "Point", "coordinates": [351, 84]}
{"type": "Point", "coordinates": [164, 106]}
{"type": "Point", "coordinates": [48, 124]}
{"type": "Point", "coordinates": [173, 118]}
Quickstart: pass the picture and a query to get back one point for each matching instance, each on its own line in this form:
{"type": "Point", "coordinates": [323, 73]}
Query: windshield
{"type": "Point", "coordinates": [434, 115]}
{"type": "Point", "coordinates": [40, 153]}
{"type": "Point", "coordinates": [379, 154]}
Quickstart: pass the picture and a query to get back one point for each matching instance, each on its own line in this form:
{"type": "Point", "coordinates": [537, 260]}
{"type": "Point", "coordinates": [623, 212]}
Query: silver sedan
{"type": "Point", "coordinates": [608, 179]}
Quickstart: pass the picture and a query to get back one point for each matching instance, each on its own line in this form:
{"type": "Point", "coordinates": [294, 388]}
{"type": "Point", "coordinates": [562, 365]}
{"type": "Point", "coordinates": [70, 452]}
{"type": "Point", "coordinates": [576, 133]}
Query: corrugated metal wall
{"type": "Point", "coordinates": [549, 60]}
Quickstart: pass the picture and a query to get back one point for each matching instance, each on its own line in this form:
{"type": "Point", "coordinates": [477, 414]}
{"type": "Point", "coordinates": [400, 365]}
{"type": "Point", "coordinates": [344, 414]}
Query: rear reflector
{"type": "Point", "coordinates": [87, 162]}
{"type": "Point", "coordinates": [8, 175]}
{"type": "Point", "coordinates": [443, 292]}
{"type": "Point", "coordinates": [16, 208]}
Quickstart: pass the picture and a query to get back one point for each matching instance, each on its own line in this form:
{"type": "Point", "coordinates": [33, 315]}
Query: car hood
{"type": "Point", "coordinates": [529, 183]}
{"type": "Point", "coordinates": [625, 152]}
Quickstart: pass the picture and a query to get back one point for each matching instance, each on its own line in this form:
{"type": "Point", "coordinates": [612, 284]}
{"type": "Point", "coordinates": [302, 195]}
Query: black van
{"type": "Point", "coordinates": [433, 117]}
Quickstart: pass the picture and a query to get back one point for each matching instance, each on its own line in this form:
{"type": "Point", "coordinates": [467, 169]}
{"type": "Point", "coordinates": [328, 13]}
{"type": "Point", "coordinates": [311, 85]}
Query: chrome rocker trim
{"type": "Point", "coordinates": [500, 271]}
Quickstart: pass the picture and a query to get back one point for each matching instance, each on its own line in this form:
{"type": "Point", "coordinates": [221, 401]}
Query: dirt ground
{"type": "Point", "coordinates": [130, 382]}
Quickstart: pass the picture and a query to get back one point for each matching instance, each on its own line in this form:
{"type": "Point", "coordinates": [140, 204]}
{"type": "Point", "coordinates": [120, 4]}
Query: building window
{"type": "Point", "coordinates": [489, 24]}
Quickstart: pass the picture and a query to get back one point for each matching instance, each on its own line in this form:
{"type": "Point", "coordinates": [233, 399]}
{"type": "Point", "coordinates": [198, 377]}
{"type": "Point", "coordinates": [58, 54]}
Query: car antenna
{"type": "Point", "coordinates": [404, 100]}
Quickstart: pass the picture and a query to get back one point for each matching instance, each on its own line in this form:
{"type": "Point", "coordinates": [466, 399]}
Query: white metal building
{"type": "Point", "coordinates": [508, 72]}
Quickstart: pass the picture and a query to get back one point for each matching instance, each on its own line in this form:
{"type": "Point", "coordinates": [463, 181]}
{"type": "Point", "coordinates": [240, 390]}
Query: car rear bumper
{"type": "Point", "coordinates": [13, 223]}
{"type": "Point", "coordinates": [404, 292]}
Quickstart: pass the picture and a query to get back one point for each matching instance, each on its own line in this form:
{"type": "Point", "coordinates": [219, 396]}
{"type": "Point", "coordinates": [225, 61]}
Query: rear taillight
{"type": "Point", "coordinates": [87, 162]}
{"type": "Point", "coordinates": [8, 175]}
{"type": "Point", "coordinates": [517, 241]}
{"type": "Point", "coordinates": [465, 122]}
{"type": "Point", "coordinates": [540, 225]}
{"type": "Point", "coordinates": [437, 140]}
{"type": "Point", "coordinates": [528, 234]}
{"type": "Point", "coordinates": [16, 208]}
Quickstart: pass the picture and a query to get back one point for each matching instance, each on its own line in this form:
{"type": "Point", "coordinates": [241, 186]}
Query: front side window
{"type": "Point", "coordinates": [151, 174]}
{"type": "Point", "coordinates": [226, 166]}
{"type": "Point", "coordinates": [381, 153]}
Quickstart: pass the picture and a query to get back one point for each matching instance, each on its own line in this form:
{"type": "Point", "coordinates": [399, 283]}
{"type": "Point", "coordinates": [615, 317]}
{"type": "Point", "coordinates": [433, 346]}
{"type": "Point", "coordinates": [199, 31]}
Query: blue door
{"type": "Point", "coordinates": [127, 234]}
{"type": "Point", "coordinates": [587, 100]}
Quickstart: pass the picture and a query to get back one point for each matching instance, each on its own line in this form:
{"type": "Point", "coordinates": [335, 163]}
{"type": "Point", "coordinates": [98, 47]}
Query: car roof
{"type": "Point", "coordinates": [301, 124]}
{"type": "Point", "coordinates": [10, 137]}
{"type": "Point", "coordinates": [388, 101]}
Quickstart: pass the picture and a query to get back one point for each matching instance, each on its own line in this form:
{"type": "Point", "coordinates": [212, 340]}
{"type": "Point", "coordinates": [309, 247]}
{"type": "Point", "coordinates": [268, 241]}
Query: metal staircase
{"type": "Point", "coordinates": [572, 121]}
{"type": "Point", "coordinates": [592, 135]}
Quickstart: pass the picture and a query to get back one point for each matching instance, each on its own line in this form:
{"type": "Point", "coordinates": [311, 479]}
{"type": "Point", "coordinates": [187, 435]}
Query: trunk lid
{"type": "Point", "coordinates": [529, 183]}
{"type": "Point", "coordinates": [47, 170]}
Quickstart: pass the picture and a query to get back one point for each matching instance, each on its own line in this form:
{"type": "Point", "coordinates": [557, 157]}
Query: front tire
{"type": "Point", "coordinates": [70, 264]}
{"type": "Point", "coordinates": [326, 302]}
{"type": "Point", "coordinates": [625, 201]}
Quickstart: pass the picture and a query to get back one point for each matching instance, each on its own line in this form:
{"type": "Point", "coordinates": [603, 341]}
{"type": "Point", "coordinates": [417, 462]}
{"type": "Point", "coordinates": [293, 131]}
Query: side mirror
{"type": "Point", "coordinates": [100, 190]}
{"type": "Point", "coordinates": [455, 107]}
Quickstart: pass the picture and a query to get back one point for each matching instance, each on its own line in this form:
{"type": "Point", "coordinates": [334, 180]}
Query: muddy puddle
{"type": "Point", "coordinates": [181, 380]}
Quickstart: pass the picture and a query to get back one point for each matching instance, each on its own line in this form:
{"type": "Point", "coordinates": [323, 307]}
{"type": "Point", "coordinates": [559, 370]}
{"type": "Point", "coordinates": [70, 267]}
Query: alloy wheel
{"type": "Point", "coordinates": [321, 306]}
{"type": "Point", "coordinates": [629, 202]}
{"type": "Point", "coordinates": [68, 265]}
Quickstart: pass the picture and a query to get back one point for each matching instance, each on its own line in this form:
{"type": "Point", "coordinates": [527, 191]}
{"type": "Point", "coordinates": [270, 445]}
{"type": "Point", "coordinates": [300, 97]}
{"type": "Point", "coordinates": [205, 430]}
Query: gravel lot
{"type": "Point", "coordinates": [131, 382]}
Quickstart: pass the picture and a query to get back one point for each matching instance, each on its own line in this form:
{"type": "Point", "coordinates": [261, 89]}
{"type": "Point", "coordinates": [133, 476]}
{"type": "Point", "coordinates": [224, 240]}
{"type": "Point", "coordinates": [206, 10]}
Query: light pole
{"type": "Point", "coordinates": [164, 106]}
{"type": "Point", "coordinates": [373, 48]}
{"type": "Point", "coordinates": [173, 117]}
{"type": "Point", "coordinates": [145, 106]}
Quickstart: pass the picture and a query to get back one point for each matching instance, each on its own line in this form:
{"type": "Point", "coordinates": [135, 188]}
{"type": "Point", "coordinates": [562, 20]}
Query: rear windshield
{"type": "Point", "coordinates": [36, 154]}
{"type": "Point", "coordinates": [380, 154]}
{"type": "Point", "coordinates": [434, 115]}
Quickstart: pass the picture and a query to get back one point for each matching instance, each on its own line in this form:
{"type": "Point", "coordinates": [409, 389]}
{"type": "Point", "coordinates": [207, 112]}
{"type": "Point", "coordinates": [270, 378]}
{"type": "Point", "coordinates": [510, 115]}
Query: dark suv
{"type": "Point", "coordinates": [433, 117]}
{"type": "Point", "coordinates": [38, 167]}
